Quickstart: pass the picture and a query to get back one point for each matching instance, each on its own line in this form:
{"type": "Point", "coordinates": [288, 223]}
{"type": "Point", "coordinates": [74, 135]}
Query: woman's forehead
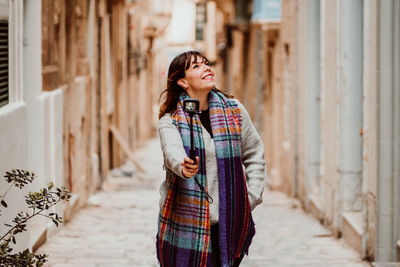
{"type": "Point", "coordinates": [197, 59]}
{"type": "Point", "coordinates": [192, 58]}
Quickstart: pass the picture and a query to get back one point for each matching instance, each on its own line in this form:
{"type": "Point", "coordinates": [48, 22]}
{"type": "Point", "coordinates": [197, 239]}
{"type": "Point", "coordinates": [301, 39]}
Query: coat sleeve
{"type": "Point", "coordinates": [252, 149]}
{"type": "Point", "coordinates": [171, 145]}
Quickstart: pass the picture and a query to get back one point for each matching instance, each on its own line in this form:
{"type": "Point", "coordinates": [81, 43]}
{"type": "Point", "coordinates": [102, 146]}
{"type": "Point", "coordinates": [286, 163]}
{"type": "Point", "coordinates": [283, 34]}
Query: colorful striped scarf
{"type": "Point", "coordinates": [183, 237]}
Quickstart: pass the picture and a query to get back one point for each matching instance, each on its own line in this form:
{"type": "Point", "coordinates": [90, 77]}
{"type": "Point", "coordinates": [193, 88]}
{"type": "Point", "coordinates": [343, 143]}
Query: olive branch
{"type": "Point", "coordinates": [37, 203]}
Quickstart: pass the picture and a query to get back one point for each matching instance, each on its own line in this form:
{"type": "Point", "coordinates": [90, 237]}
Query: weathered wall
{"type": "Point", "coordinates": [324, 75]}
{"type": "Point", "coordinates": [328, 111]}
{"type": "Point", "coordinates": [14, 154]}
{"type": "Point", "coordinates": [335, 116]}
{"type": "Point", "coordinates": [66, 65]}
{"type": "Point", "coordinates": [70, 82]}
{"type": "Point", "coordinates": [300, 169]}
{"type": "Point", "coordinates": [138, 32]}
{"type": "Point", "coordinates": [105, 83]}
{"type": "Point", "coordinates": [103, 60]}
{"type": "Point", "coordinates": [280, 100]}
{"type": "Point", "coordinates": [369, 128]}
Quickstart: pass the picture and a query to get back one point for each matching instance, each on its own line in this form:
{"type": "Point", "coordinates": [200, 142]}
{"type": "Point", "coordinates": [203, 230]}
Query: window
{"type": "Point", "coordinates": [266, 11]}
{"type": "Point", "coordinates": [201, 19]}
{"type": "Point", "coordinates": [4, 54]}
{"type": "Point", "coordinates": [55, 42]}
{"type": "Point", "coordinates": [11, 22]}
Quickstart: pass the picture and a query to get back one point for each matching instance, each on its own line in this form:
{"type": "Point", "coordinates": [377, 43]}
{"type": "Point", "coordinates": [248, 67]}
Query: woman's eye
{"type": "Point", "coordinates": [195, 66]}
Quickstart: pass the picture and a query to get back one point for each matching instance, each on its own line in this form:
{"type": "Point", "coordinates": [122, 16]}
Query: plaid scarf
{"type": "Point", "coordinates": [183, 237]}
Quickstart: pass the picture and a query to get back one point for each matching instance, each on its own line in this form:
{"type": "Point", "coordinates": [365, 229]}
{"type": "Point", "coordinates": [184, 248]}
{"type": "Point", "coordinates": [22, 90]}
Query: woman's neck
{"type": "Point", "coordinates": [202, 97]}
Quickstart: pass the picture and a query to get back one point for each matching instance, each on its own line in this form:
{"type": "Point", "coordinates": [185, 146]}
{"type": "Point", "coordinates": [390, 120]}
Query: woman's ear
{"type": "Point", "coordinates": [183, 83]}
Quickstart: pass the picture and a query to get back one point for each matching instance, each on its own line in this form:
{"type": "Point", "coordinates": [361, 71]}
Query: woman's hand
{"type": "Point", "coordinates": [189, 167]}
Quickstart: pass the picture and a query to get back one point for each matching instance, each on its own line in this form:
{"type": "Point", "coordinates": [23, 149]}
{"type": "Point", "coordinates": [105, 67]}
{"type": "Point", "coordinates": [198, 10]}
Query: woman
{"type": "Point", "coordinates": [205, 207]}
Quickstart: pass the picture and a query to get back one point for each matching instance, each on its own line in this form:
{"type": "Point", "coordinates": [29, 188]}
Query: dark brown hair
{"type": "Point", "coordinates": [176, 71]}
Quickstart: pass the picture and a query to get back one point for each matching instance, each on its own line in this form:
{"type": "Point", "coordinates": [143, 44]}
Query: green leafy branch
{"type": "Point", "coordinates": [37, 202]}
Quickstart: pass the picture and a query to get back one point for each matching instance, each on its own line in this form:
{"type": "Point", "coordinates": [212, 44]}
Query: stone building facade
{"type": "Point", "coordinates": [330, 116]}
{"type": "Point", "coordinates": [80, 94]}
{"type": "Point", "coordinates": [320, 81]}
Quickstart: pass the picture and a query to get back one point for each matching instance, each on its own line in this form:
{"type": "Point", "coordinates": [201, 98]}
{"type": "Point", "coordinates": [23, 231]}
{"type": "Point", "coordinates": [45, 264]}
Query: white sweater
{"type": "Point", "coordinates": [252, 150]}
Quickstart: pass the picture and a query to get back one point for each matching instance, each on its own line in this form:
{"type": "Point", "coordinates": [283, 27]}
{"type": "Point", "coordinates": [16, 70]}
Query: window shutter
{"type": "Point", "coordinates": [53, 41]}
{"type": "Point", "coordinates": [4, 93]}
{"type": "Point", "coordinates": [201, 19]}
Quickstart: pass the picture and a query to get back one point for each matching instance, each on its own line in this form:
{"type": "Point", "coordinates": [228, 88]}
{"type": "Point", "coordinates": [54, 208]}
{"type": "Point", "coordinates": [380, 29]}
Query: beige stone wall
{"type": "Point", "coordinates": [66, 66]}
{"type": "Point", "coordinates": [300, 172]}
{"type": "Point", "coordinates": [238, 65]}
{"type": "Point", "coordinates": [110, 92]}
{"type": "Point", "coordinates": [369, 129]}
{"type": "Point", "coordinates": [271, 79]}
{"type": "Point", "coordinates": [281, 100]}
{"type": "Point", "coordinates": [304, 118]}
{"type": "Point", "coordinates": [259, 70]}
{"type": "Point", "coordinates": [77, 128]}
{"type": "Point", "coordinates": [136, 53]}
{"type": "Point", "coordinates": [285, 111]}
{"type": "Point", "coordinates": [273, 130]}
{"type": "Point", "coordinates": [223, 14]}
{"type": "Point", "coordinates": [329, 109]}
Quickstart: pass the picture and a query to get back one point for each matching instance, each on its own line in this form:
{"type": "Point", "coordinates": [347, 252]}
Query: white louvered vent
{"type": "Point", "coordinates": [4, 97]}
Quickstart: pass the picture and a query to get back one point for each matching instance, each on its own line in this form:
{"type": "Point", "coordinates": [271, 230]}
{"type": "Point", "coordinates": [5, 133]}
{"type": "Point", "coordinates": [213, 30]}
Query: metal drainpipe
{"type": "Point", "coordinates": [370, 7]}
{"type": "Point", "coordinates": [296, 108]}
{"type": "Point", "coordinates": [350, 163]}
{"type": "Point", "coordinates": [98, 103]}
{"type": "Point", "coordinates": [396, 112]}
{"type": "Point", "coordinates": [312, 97]}
{"type": "Point", "coordinates": [384, 204]}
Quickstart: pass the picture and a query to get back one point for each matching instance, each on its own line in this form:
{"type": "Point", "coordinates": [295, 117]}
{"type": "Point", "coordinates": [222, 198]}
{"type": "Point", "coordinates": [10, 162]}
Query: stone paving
{"type": "Point", "coordinates": [118, 227]}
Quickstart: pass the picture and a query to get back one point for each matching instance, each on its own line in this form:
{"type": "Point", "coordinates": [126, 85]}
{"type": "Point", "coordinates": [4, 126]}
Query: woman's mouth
{"type": "Point", "coordinates": [208, 76]}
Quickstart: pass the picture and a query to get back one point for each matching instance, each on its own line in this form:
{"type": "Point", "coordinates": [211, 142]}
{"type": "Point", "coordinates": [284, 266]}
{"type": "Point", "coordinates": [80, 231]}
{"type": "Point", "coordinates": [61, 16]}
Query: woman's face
{"type": "Point", "coordinates": [198, 77]}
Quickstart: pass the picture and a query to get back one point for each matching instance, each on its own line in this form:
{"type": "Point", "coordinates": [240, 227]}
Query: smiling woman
{"type": "Point", "coordinates": [198, 80]}
{"type": "Point", "coordinates": [205, 208]}
{"type": "Point", "coordinates": [182, 71]}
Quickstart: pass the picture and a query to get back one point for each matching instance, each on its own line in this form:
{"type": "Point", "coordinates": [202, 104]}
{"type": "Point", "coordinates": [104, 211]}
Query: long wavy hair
{"type": "Point", "coordinates": [170, 96]}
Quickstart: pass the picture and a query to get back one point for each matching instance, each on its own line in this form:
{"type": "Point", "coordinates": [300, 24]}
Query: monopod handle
{"type": "Point", "coordinates": [192, 151]}
{"type": "Point", "coordinates": [192, 154]}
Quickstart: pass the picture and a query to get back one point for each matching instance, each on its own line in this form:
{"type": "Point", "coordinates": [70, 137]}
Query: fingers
{"type": "Point", "coordinates": [189, 168]}
{"type": "Point", "coordinates": [189, 163]}
{"type": "Point", "coordinates": [189, 160]}
{"type": "Point", "coordinates": [188, 173]}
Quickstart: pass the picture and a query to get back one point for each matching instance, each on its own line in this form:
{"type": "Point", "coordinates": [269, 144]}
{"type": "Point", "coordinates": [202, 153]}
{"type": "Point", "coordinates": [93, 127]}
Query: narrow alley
{"type": "Point", "coordinates": [85, 83]}
{"type": "Point", "coordinates": [118, 227]}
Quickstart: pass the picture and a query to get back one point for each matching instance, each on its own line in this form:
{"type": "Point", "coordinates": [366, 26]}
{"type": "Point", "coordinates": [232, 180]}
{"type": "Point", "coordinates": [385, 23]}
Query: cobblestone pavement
{"type": "Point", "coordinates": [118, 227]}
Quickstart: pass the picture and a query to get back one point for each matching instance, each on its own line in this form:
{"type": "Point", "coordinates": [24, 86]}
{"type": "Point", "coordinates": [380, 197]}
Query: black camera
{"type": "Point", "coordinates": [191, 106]}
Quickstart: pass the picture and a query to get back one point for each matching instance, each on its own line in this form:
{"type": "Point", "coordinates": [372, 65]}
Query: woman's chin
{"type": "Point", "coordinates": [211, 86]}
